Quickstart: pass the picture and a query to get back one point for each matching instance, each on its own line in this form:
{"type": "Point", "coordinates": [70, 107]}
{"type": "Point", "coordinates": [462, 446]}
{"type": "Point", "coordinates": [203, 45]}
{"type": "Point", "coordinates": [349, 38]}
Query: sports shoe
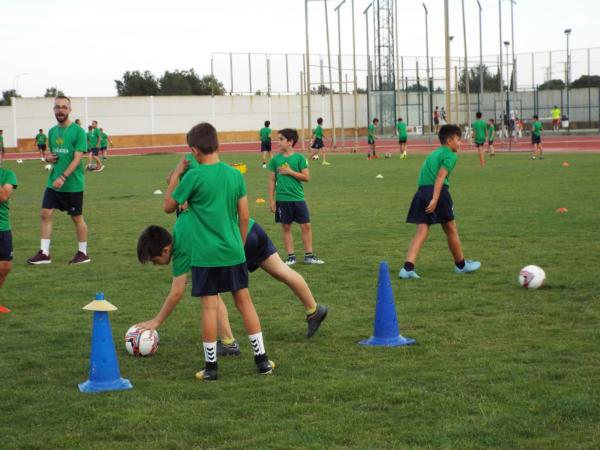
{"type": "Point", "coordinates": [101, 168]}
{"type": "Point", "coordinates": [39, 258]}
{"type": "Point", "coordinates": [376, 156]}
{"type": "Point", "coordinates": [470, 266]}
{"type": "Point", "coordinates": [207, 375]}
{"type": "Point", "coordinates": [80, 258]}
{"type": "Point", "coordinates": [407, 274]}
{"type": "Point", "coordinates": [265, 367]}
{"type": "Point", "coordinates": [325, 163]}
{"type": "Point", "coordinates": [541, 157]}
{"type": "Point", "coordinates": [312, 259]}
{"type": "Point", "coordinates": [533, 157]}
{"type": "Point", "coordinates": [232, 349]}
{"type": "Point", "coordinates": [314, 320]}
{"type": "Point", "coordinates": [291, 260]}
{"type": "Point", "coordinates": [264, 166]}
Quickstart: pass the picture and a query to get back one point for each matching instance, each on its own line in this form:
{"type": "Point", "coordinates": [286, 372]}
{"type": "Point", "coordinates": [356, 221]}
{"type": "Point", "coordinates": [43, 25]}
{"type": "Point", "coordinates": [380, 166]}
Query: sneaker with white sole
{"type": "Point", "coordinates": [232, 349]}
{"type": "Point", "coordinates": [80, 258]}
{"type": "Point", "coordinates": [470, 266]}
{"type": "Point", "coordinates": [207, 375]}
{"type": "Point", "coordinates": [264, 365]}
{"type": "Point", "coordinates": [291, 260]}
{"type": "Point", "coordinates": [312, 259]}
{"type": "Point", "coordinates": [408, 274]}
{"type": "Point", "coordinates": [39, 258]}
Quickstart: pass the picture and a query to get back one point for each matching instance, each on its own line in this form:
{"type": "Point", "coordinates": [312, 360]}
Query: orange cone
{"type": "Point", "coordinates": [4, 309]}
{"type": "Point", "coordinates": [562, 210]}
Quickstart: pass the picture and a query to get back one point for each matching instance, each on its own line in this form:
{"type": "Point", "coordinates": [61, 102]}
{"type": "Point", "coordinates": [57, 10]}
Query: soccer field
{"type": "Point", "coordinates": [494, 366]}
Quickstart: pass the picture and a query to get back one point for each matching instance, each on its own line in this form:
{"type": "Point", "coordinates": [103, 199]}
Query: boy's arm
{"type": "Point", "coordinates": [170, 205]}
{"type": "Point", "coordinates": [272, 192]}
{"type": "Point", "coordinates": [176, 294]}
{"type": "Point", "coordinates": [5, 192]}
{"type": "Point", "coordinates": [244, 217]}
{"type": "Point", "coordinates": [437, 188]}
{"type": "Point", "coordinates": [303, 175]}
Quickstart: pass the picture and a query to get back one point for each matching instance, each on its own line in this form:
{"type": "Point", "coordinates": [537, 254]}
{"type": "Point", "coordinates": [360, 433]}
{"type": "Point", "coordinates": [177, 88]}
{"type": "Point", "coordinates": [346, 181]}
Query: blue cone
{"type": "Point", "coordinates": [104, 367]}
{"type": "Point", "coordinates": [386, 331]}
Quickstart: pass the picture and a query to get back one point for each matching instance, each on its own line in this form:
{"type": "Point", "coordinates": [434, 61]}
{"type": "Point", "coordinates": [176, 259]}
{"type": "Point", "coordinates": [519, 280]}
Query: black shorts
{"type": "Point", "coordinates": [102, 149]}
{"type": "Point", "coordinates": [370, 141]}
{"type": "Point", "coordinates": [536, 139]}
{"type": "Point", "coordinates": [94, 151]}
{"type": "Point", "coordinates": [491, 142]}
{"type": "Point", "coordinates": [402, 141]}
{"type": "Point", "coordinates": [288, 212]}
{"type": "Point", "coordinates": [6, 247]}
{"type": "Point", "coordinates": [436, 121]}
{"type": "Point", "coordinates": [444, 212]}
{"type": "Point", "coordinates": [265, 146]}
{"type": "Point", "coordinates": [479, 144]}
{"type": "Point", "coordinates": [41, 147]}
{"type": "Point", "coordinates": [71, 202]}
{"type": "Point", "coordinates": [258, 247]}
{"type": "Point", "coordinates": [317, 143]}
{"type": "Point", "coordinates": [214, 280]}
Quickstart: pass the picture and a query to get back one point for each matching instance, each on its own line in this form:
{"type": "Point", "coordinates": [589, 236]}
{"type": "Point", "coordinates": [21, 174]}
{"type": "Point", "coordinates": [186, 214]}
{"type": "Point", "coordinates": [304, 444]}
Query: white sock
{"type": "Point", "coordinates": [45, 246]}
{"type": "Point", "coordinates": [83, 247]}
{"type": "Point", "coordinates": [258, 346]}
{"type": "Point", "coordinates": [210, 351]}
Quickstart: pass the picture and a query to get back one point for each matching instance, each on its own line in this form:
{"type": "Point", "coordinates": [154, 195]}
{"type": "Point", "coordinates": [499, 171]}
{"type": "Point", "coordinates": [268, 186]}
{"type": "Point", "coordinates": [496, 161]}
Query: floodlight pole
{"type": "Point", "coordinates": [337, 10]}
{"type": "Point", "coordinates": [355, 81]}
{"type": "Point", "coordinates": [307, 69]}
{"type": "Point", "coordinates": [512, 37]}
{"type": "Point", "coordinates": [429, 94]}
{"type": "Point", "coordinates": [500, 68]}
{"type": "Point", "coordinates": [447, 44]}
{"type": "Point", "coordinates": [467, 78]}
{"type": "Point", "coordinates": [330, 77]}
{"type": "Point", "coordinates": [480, 62]}
{"type": "Point", "coordinates": [366, 13]}
{"type": "Point", "coordinates": [510, 129]}
{"type": "Point", "coordinates": [568, 33]}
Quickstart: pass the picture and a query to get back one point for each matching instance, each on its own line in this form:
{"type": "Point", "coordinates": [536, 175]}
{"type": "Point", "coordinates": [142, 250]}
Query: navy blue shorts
{"type": "Point", "coordinates": [479, 144]}
{"type": "Point", "coordinates": [317, 143]}
{"type": "Point", "coordinates": [258, 247]}
{"type": "Point", "coordinates": [288, 212]}
{"type": "Point", "coordinates": [265, 146]}
{"type": "Point", "coordinates": [41, 147]}
{"type": "Point", "coordinates": [71, 202]}
{"type": "Point", "coordinates": [95, 151]}
{"type": "Point", "coordinates": [102, 149]}
{"type": "Point", "coordinates": [6, 247]}
{"type": "Point", "coordinates": [536, 139]}
{"type": "Point", "coordinates": [491, 142]}
{"type": "Point", "coordinates": [443, 212]}
{"type": "Point", "coordinates": [214, 280]}
{"type": "Point", "coordinates": [402, 141]}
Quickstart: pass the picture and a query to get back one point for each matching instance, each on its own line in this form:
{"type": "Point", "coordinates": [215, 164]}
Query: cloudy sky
{"type": "Point", "coordinates": [82, 46]}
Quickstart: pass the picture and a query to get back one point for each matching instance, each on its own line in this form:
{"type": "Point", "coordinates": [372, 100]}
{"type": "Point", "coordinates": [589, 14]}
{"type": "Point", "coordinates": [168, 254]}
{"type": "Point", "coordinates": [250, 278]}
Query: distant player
{"type": "Point", "coordinates": [478, 134]}
{"type": "Point", "coordinates": [93, 141]}
{"type": "Point", "coordinates": [432, 204]}
{"type": "Point", "coordinates": [371, 139]}
{"type": "Point", "coordinates": [556, 118]}
{"type": "Point", "coordinates": [40, 141]}
{"type": "Point", "coordinates": [491, 135]}
{"type": "Point", "coordinates": [402, 136]}
{"type": "Point", "coordinates": [536, 137]}
{"type": "Point", "coordinates": [104, 141]}
{"type": "Point", "coordinates": [8, 182]}
{"type": "Point", "coordinates": [265, 142]}
{"type": "Point", "coordinates": [436, 120]}
{"type": "Point", "coordinates": [317, 142]}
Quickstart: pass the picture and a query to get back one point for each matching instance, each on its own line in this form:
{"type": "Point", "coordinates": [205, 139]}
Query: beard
{"type": "Point", "coordinates": [61, 117]}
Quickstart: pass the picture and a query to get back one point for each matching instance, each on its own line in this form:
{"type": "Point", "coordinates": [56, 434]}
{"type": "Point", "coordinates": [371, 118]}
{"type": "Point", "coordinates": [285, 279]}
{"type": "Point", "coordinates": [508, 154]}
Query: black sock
{"type": "Point", "coordinates": [408, 266]}
{"type": "Point", "coordinates": [292, 255]}
{"type": "Point", "coordinates": [211, 365]}
{"type": "Point", "coordinates": [308, 254]}
{"type": "Point", "coordinates": [460, 264]}
{"type": "Point", "coordinates": [260, 358]}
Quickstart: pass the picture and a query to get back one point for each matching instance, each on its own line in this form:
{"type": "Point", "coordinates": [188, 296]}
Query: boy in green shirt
{"type": "Point", "coordinates": [265, 142]}
{"type": "Point", "coordinates": [40, 141]}
{"type": "Point", "coordinates": [215, 194]}
{"type": "Point", "coordinates": [491, 135]}
{"type": "Point", "coordinates": [93, 139]}
{"type": "Point", "coordinates": [1, 146]}
{"type": "Point", "coordinates": [433, 204]}
{"type": "Point", "coordinates": [104, 141]}
{"type": "Point", "coordinates": [371, 139]}
{"type": "Point", "coordinates": [8, 182]}
{"type": "Point", "coordinates": [317, 142]}
{"type": "Point", "coordinates": [478, 134]}
{"type": "Point", "coordinates": [536, 137]}
{"type": "Point", "coordinates": [286, 195]}
{"type": "Point", "coordinates": [402, 136]}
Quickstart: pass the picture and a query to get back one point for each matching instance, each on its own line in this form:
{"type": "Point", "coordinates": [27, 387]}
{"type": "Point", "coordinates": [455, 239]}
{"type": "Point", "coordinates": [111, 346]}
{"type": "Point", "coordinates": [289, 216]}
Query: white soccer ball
{"type": "Point", "coordinates": [141, 343]}
{"type": "Point", "coordinates": [19, 161]}
{"type": "Point", "coordinates": [48, 167]}
{"type": "Point", "coordinates": [532, 277]}
{"type": "Point", "coordinates": [315, 157]}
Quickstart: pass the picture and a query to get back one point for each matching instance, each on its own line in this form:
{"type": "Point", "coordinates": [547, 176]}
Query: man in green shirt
{"type": "Point", "coordinates": [536, 137]}
{"type": "Point", "coordinates": [402, 136]}
{"type": "Point", "coordinates": [8, 182]}
{"type": "Point", "coordinates": [317, 142]}
{"type": "Point", "coordinates": [265, 142]}
{"type": "Point", "coordinates": [286, 195]}
{"type": "Point", "coordinates": [433, 204]}
{"type": "Point", "coordinates": [66, 182]}
{"type": "Point", "coordinates": [1, 146]}
{"type": "Point", "coordinates": [40, 141]}
{"type": "Point", "coordinates": [104, 141]}
{"type": "Point", "coordinates": [371, 139]}
{"type": "Point", "coordinates": [478, 134]}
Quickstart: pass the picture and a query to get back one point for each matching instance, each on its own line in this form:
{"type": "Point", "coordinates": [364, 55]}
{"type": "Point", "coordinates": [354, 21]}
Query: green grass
{"type": "Point", "coordinates": [495, 366]}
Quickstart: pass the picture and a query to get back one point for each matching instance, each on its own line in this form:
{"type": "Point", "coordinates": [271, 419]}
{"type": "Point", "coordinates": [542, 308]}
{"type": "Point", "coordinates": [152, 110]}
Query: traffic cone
{"type": "Point", "coordinates": [104, 367]}
{"type": "Point", "coordinates": [4, 309]}
{"type": "Point", "coordinates": [386, 332]}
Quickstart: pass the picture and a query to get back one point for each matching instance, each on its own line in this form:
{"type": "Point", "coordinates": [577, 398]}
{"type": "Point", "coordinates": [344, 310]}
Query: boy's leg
{"type": "Point", "coordinates": [481, 158]}
{"type": "Point", "coordinates": [210, 308]}
{"type": "Point", "coordinates": [540, 150]}
{"type": "Point", "coordinates": [306, 230]}
{"type": "Point", "coordinates": [417, 242]}
{"type": "Point", "coordinates": [288, 240]}
{"type": "Point", "coordinates": [5, 267]}
{"type": "Point", "coordinates": [227, 345]}
{"type": "Point", "coordinates": [454, 244]}
{"type": "Point", "coordinates": [275, 267]}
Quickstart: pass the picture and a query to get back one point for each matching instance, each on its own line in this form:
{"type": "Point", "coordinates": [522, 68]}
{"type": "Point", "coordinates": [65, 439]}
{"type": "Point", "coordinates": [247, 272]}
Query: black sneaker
{"type": "Point", "coordinates": [207, 375]}
{"type": "Point", "coordinates": [39, 258]}
{"type": "Point", "coordinates": [263, 364]}
{"type": "Point", "coordinates": [291, 260]}
{"type": "Point", "coordinates": [314, 320]}
{"type": "Point", "coordinates": [80, 258]}
{"type": "Point", "coordinates": [232, 349]}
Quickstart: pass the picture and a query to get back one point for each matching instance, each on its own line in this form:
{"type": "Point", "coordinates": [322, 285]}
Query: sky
{"type": "Point", "coordinates": [82, 46]}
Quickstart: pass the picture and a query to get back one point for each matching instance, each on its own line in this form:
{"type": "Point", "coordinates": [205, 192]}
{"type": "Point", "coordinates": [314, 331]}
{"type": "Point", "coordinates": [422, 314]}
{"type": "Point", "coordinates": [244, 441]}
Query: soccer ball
{"type": "Point", "coordinates": [19, 161]}
{"type": "Point", "coordinates": [315, 157]}
{"type": "Point", "coordinates": [48, 167]}
{"type": "Point", "coordinates": [141, 343]}
{"type": "Point", "coordinates": [532, 277]}
{"type": "Point", "coordinates": [91, 167]}
{"type": "Point", "coordinates": [388, 155]}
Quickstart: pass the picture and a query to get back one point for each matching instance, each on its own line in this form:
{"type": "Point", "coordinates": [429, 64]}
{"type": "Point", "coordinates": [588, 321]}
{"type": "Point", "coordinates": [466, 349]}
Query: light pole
{"type": "Point", "coordinates": [500, 33]}
{"type": "Point", "coordinates": [16, 84]}
{"type": "Point", "coordinates": [366, 13]}
{"type": "Point", "coordinates": [427, 69]}
{"type": "Point", "coordinates": [508, 115]}
{"type": "Point", "coordinates": [355, 82]}
{"type": "Point", "coordinates": [337, 10]}
{"type": "Point", "coordinates": [512, 36]}
{"type": "Point", "coordinates": [330, 78]}
{"type": "Point", "coordinates": [568, 33]}
{"type": "Point", "coordinates": [480, 62]}
{"type": "Point", "coordinates": [467, 78]}
{"type": "Point", "coordinates": [448, 110]}
{"type": "Point", "coordinates": [307, 69]}
{"type": "Point", "coordinates": [447, 51]}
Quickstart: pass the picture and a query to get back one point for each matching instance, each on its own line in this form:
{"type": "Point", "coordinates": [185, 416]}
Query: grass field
{"type": "Point", "coordinates": [495, 366]}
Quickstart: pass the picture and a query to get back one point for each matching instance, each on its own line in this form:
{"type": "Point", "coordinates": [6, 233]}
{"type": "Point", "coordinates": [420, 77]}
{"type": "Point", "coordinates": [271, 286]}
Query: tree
{"type": "Point", "coordinates": [491, 83]}
{"type": "Point", "coordinates": [552, 84]}
{"type": "Point", "coordinates": [6, 97]}
{"type": "Point", "coordinates": [177, 83]}
{"type": "Point", "coordinates": [321, 90]}
{"type": "Point", "coordinates": [209, 85]}
{"type": "Point", "coordinates": [53, 92]}
{"type": "Point", "coordinates": [417, 87]}
{"type": "Point", "coordinates": [586, 81]}
{"type": "Point", "coordinates": [137, 83]}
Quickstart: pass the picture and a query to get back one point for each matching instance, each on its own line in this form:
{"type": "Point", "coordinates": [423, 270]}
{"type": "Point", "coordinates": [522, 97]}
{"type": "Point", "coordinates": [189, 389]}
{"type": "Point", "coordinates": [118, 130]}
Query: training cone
{"type": "Point", "coordinates": [386, 331]}
{"type": "Point", "coordinates": [104, 367]}
{"type": "Point", "coordinates": [4, 309]}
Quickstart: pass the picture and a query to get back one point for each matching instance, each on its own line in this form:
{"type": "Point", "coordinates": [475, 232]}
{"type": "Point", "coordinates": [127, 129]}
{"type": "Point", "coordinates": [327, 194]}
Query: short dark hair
{"type": "Point", "coordinates": [492, 120]}
{"type": "Point", "coordinates": [478, 114]}
{"type": "Point", "coordinates": [62, 97]}
{"type": "Point", "coordinates": [399, 119]}
{"type": "Point", "coordinates": [267, 123]}
{"type": "Point", "coordinates": [89, 127]}
{"type": "Point", "coordinates": [375, 120]}
{"type": "Point", "coordinates": [41, 129]}
{"type": "Point", "coordinates": [289, 134]}
{"type": "Point", "coordinates": [447, 131]}
{"type": "Point", "coordinates": [151, 243]}
{"type": "Point", "coordinates": [535, 116]}
{"type": "Point", "coordinates": [320, 120]}
{"type": "Point", "coordinates": [203, 137]}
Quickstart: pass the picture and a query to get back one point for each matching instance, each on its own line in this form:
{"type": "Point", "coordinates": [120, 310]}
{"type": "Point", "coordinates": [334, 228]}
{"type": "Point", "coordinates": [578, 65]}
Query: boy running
{"type": "Point", "coordinates": [478, 134]}
{"type": "Point", "coordinates": [265, 142]}
{"type": "Point", "coordinates": [432, 204]}
{"type": "Point", "coordinates": [286, 195]}
{"type": "Point", "coordinates": [402, 137]}
{"type": "Point", "coordinates": [8, 182]}
{"type": "Point", "coordinates": [40, 141]}
{"type": "Point", "coordinates": [93, 140]}
{"type": "Point", "coordinates": [317, 142]}
{"type": "Point", "coordinates": [536, 137]}
{"type": "Point", "coordinates": [104, 141]}
{"type": "Point", "coordinates": [371, 139]}
{"type": "Point", "coordinates": [491, 135]}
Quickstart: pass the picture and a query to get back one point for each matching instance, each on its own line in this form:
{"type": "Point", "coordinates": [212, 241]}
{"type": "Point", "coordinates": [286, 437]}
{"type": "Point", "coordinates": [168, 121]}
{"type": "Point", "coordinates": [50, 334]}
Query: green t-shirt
{"type": "Point", "coordinates": [441, 157]}
{"type": "Point", "coordinates": [318, 132]}
{"type": "Point", "coordinates": [212, 192]}
{"type": "Point", "coordinates": [92, 138]}
{"type": "Point", "coordinates": [491, 130]}
{"type": "Point", "coordinates": [64, 142]}
{"type": "Point", "coordinates": [287, 188]}
{"type": "Point", "coordinates": [7, 176]}
{"type": "Point", "coordinates": [371, 131]}
{"type": "Point", "coordinates": [1, 141]}
{"type": "Point", "coordinates": [40, 139]}
{"type": "Point", "coordinates": [402, 134]}
{"type": "Point", "coordinates": [479, 127]}
{"type": "Point", "coordinates": [103, 139]}
{"type": "Point", "coordinates": [265, 134]}
{"type": "Point", "coordinates": [537, 128]}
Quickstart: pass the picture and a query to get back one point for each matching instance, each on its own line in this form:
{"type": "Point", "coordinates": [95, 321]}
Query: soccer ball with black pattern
{"type": "Point", "coordinates": [532, 277]}
{"type": "Point", "coordinates": [141, 342]}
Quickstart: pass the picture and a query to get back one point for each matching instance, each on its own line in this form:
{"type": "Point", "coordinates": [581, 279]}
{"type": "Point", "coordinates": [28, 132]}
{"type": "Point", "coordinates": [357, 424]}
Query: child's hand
{"type": "Point", "coordinates": [149, 325]}
{"type": "Point", "coordinates": [51, 158]}
{"type": "Point", "coordinates": [183, 206]}
{"type": "Point", "coordinates": [181, 167]}
{"type": "Point", "coordinates": [284, 170]}
{"type": "Point", "coordinates": [431, 207]}
{"type": "Point", "coordinates": [272, 205]}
